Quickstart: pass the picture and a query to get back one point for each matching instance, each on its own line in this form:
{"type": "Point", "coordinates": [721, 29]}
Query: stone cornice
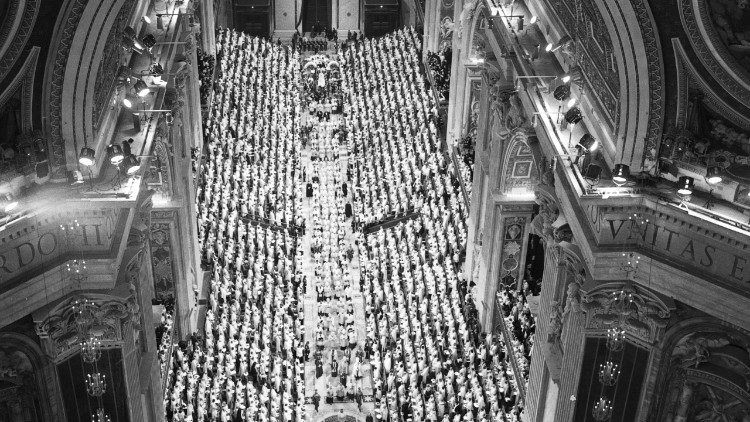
{"type": "Point", "coordinates": [690, 259]}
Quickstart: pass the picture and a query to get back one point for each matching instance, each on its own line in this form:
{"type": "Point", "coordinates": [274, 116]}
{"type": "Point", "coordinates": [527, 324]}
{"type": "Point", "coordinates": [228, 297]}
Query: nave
{"type": "Point", "coordinates": [334, 234]}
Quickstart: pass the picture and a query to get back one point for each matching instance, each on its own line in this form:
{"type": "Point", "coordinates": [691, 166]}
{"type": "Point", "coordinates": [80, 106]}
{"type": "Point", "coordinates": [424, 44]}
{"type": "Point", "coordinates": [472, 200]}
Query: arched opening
{"type": "Point", "coordinates": [705, 374]}
{"type": "Point", "coordinates": [23, 382]}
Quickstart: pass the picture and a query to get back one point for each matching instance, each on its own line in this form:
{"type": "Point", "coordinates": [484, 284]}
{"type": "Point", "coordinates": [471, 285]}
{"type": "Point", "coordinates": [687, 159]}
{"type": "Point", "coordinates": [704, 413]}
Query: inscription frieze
{"type": "Point", "coordinates": [32, 244]}
{"type": "Point", "coordinates": [670, 238]}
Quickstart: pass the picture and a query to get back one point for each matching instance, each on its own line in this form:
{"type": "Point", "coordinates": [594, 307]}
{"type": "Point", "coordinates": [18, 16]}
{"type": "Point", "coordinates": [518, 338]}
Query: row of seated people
{"type": "Point", "coordinates": [248, 364]}
{"type": "Point", "coordinates": [429, 363]}
{"type": "Point", "coordinates": [429, 360]}
{"type": "Point", "coordinates": [390, 125]}
{"type": "Point", "coordinates": [252, 139]}
{"type": "Point", "coordinates": [520, 325]}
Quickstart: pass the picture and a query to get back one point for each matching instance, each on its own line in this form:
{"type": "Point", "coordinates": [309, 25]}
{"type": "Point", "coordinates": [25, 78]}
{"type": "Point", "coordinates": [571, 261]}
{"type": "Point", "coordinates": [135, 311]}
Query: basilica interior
{"type": "Point", "coordinates": [375, 210]}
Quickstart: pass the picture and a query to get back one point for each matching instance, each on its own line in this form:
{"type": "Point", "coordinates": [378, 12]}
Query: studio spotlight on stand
{"type": "Point", "coordinates": [115, 154]}
{"type": "Point", "coordinates": [131, 164]}
{"type": "Point", "coordinates": [713, 175]}
{"type": "Point", "coordinates": [141, 88]}
{"type": "Point", "coordinates": [86, 157]}
{"type": "Point", "coordinates": [685, 185]}
{"type": "Point", "coordinates": [592, 175]}
{"type": "Point", "coordinates": [588, 143]}
{"type": "Point", "coordinates": [620, 174]}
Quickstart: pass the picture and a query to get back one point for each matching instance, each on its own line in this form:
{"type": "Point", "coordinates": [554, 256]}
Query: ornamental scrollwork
{"type": "Point", "coordinates": [67, 325]}
{"type": "Point", "coordinates": [642, 313]}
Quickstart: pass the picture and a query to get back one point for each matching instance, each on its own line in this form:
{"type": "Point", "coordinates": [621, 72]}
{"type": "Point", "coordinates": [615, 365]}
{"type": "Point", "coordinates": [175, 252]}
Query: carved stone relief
{"type": "Point", "coordinates": [506, 109]}
{"type": "Point", "coordinates": [66, 325]}
{"type": "Point", "coordinates": [510, 260]}
{"type": "Point", "coordinates": [709, 377]}
{"type": "Point", "coordinates": [642, 315]}
{"type": "Point", "coordinates": [548, 212]}
{"type": "Point", "coordinates": [467, 13]}
{"type": "Point", "coordinates": [161, 257]}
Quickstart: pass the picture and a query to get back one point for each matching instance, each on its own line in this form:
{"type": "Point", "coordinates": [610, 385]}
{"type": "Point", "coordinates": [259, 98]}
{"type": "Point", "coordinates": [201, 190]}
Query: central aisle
{"type": "Point", "coordinates": [333, 305]}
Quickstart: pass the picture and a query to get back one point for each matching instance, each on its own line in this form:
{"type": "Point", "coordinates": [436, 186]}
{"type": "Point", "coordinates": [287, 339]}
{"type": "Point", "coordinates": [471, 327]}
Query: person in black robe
{"type": "Point", "coordinates": [316, 400]}
{"type": "Point", "coordinates": [334, 368]}
{"type": "Point", "coordinates": [306, 352]}
{"type": "Point", "coordinates": [348, 210]}
{"type": "Point", "coordinates": [309, 191]}
{"type": "Point", "coordinates": [318, 368]}
{"type": "Point", "coordinates": [329, 397]}
{"type": "Point", "coordinates": [344, 188]}
{"type": "Point", "coordinates": [359, 397]}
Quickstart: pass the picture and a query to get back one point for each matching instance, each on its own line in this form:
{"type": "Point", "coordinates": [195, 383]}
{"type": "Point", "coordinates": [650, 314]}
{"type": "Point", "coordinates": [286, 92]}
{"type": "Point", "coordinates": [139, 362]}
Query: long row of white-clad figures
{"type": "Point", "coordinates": [396, 236]}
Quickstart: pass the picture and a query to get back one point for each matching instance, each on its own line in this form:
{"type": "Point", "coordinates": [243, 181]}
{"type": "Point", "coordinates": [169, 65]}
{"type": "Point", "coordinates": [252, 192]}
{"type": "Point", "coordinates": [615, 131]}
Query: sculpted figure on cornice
{"type": "Point", "coordinates": [555, 322]}
{"type": "Point", "coordinates": [548, 213]}
{"type": "Point", "coordinates": [476, 261]}
{"type": "Point", "coordinates": [508, 114]}
{"type": "Point", "coordinates": [446, 29]}
{"type": "Point", "coordinates": [467, 13]}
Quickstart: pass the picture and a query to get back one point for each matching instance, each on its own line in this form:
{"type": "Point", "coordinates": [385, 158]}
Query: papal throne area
{"type": "Point", "coordinates": [374, 211]}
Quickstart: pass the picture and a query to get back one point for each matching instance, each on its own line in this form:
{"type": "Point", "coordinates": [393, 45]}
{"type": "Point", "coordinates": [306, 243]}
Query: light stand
{"type": "Point", "coordinates": [710, 202]}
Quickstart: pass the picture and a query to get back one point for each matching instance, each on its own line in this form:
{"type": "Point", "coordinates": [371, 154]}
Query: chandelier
{"type": "Point", "coordinates": [77, 269]}
{"type": "Point", "coordinates": [608, 373]}
{"type": "Point", "coordinates": [100, 416]}
{"type": "Point", "coordinates": [615, 339]}
{"type": "Point", "coordinates": [602, 410]}
{"type": "Point", "coordinates": [84, 311]}
{"type": "Point", "coordinates": [91, 349]}
{"type": "Point", "coordinates": [630, 263]}
{"type": "Point", "coordinates": [621, 307]}
{"type": "Point", "coordinates": [96, 384]}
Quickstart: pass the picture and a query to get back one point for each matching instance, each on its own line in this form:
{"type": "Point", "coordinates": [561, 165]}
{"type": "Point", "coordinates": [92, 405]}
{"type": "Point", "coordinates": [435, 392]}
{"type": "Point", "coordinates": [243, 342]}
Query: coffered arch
{"type": "Point", "coordinates": [26, 376]}
{"type": "Point", "coordinates": [702, 365]}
